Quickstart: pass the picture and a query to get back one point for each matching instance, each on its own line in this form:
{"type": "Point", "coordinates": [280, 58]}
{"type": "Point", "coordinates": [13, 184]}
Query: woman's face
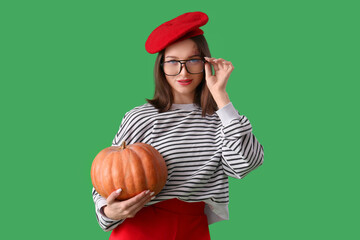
{"type": "Point", "coordinates": [183, 91]}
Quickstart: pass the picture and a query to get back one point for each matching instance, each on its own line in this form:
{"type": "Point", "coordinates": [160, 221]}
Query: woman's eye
{"type": "Point", "coordinates": [172, 62]}
{"type": "Point", "coordinates": [195, 60]}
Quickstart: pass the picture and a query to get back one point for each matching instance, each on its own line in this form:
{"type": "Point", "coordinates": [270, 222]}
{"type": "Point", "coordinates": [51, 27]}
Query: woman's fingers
{"type": "Point", "coordinates": [138, 199]}
{"type": "Point", "coordinates": [133, 205]}
{"type": "Point", "coordinates": [137, 207]}
{"type": "Point", "coordinates": [111, 198]}
{"type": "Point", "coordinates": [220, 64]}
{"type": "Point", "coordinates": [230, 66]}
{"type": "Point", "coordinates": [127, 208]}
{"type": "Point", "coordinates": [213, 62]}
{"type": "Point", "coordinates": [129, 202]}
{"type": "Point", "coordinates": [208, 71]}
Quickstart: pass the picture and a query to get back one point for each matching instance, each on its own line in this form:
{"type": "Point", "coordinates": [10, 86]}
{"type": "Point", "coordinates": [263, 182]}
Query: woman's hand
{"type": "Point", "coordinates": [118, 210]}
{"type": "Point", "coordinates": [223, 69]}
{"type": "Point", "coordinates": [217, 82]}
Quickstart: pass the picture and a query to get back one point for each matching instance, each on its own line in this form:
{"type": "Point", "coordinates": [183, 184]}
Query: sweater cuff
{"type": "Point", "coordinates": [227, 114]}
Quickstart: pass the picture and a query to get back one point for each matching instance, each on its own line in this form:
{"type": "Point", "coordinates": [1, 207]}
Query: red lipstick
{"type": "Point", "coordinates": [184, 81]}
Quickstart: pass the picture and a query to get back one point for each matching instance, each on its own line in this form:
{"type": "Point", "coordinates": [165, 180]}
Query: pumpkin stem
{"type": "Point", "coordinates": [123, 145]}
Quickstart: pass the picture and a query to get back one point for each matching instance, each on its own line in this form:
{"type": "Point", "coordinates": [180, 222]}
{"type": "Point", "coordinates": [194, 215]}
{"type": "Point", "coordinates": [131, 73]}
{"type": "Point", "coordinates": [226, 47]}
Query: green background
{"type": "Point", "coordinates": [71, 69]}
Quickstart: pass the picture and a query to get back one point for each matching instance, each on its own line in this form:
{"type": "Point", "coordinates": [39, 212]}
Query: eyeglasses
{"type": "Point", "coordinates": [174, 67]}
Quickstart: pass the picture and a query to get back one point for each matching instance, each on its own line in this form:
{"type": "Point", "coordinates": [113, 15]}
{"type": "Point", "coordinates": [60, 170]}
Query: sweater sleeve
{"type": "Point", "coordinates": [241, 152]}
{"type": "Point", "coordinates": [106, 223]}
{"type": "Point", "coordinates": [133, 128]}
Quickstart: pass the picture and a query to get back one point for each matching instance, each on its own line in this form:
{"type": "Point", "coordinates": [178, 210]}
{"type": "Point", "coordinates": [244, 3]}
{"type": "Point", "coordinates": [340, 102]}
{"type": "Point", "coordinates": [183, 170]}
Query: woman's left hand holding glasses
{"type": "Point", "coordinates": [217, 82]}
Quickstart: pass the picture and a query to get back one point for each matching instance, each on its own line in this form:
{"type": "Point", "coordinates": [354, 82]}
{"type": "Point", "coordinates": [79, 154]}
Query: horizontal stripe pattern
{"type": "Point", "coordinates": [200, 153]}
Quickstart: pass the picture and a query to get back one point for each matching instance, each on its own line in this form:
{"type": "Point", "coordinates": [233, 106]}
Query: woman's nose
{"type": "Point", "coordinates": [183, 69]}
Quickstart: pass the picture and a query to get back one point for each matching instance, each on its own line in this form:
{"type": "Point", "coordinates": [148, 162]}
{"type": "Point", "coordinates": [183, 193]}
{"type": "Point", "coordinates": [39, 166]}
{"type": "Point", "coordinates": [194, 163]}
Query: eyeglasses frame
{"type": "Point", "coordinates": [181, 66]}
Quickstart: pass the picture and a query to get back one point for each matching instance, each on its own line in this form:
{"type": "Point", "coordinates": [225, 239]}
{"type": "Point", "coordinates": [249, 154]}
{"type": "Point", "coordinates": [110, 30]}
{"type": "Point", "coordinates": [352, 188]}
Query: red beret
{"type": "Point", "coordinates": [180, 28]}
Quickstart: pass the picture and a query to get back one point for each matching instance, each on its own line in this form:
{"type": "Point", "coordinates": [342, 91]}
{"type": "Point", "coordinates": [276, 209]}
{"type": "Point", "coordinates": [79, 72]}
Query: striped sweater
{"type": "Point", "coordinates": [200, 154]}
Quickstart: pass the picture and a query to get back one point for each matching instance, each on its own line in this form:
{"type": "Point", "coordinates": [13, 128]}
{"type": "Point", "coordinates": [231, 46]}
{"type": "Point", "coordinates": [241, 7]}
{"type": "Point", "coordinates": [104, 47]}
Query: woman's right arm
{"type": "Point", "coordinates": [111, 212]}
{"type": "Point", "coordinates": [105, 223]}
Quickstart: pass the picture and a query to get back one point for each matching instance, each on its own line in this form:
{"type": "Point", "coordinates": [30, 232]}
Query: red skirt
{"type": "Point", "coordinates": [167, 220]}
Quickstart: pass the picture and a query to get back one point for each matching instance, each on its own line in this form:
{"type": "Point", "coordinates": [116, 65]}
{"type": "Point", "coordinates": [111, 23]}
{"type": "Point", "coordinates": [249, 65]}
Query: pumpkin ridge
{"type": "Point", "coordinates": [111, 181]}
{"type": "Point", "coordinates": [125, 170]}
{"type": "Point", "coordinates": [139, 169]}
{"type": "Point", "coordinates": [159, 167]}
{"type": "Point", "coordinates": [131, 172]}
{"type": "Point", "coordinates": [102, 190]}
{"type": "Point", "coordinates": [145, 165]}
{"type": "Point", "coordinates": [106, 174]}
{"type": "Point", "coordinates": [115, 171]}
{"type": "Point", "coordinates": [121, 174]}
{"type": "Point", "coordinates": [149, 184]}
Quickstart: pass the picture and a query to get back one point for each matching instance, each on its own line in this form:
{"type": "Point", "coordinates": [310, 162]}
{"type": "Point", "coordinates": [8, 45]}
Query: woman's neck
{"type": "Point", "coordinates": [184, 99]}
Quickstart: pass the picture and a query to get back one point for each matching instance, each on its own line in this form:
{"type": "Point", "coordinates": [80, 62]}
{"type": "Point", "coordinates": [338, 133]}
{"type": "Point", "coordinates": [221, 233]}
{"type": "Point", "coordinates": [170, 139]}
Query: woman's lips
{"type": "Point", "coordinates": [184, 81]}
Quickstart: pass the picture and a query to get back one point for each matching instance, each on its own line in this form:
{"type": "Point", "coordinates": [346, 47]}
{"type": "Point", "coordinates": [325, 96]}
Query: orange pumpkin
{"type": "Point", "coordinates": [133, 168]}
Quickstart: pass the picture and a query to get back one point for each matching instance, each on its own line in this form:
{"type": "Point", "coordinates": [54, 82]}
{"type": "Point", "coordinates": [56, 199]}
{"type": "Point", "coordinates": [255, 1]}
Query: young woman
{"type": "Point", "coordinates": [196, 129]}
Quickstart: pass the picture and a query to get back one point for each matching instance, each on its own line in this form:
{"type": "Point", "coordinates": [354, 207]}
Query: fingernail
{"type": "Point", "coordinates": [152, 193]}
{"type": "Point", "coordinates": [118, 191]}
{"type": "Point", "coordinates": [147, 191]}
{"type": "Point", "coordinates": [152, 198]}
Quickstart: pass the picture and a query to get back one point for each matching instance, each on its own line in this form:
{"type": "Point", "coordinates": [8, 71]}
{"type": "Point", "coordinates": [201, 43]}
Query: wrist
{"type": "Point", "coordinates": [221, 98]}
{"type": "Point", "coordinates": [102, 210]}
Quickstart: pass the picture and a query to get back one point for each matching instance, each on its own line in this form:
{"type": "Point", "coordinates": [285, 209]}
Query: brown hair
{"type": "Point", "coordinates": [163, 97]}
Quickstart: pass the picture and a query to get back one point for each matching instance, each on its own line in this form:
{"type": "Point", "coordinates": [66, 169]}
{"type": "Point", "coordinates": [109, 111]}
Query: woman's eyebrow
{"type": "Point", "coordinates": [197, 55]}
